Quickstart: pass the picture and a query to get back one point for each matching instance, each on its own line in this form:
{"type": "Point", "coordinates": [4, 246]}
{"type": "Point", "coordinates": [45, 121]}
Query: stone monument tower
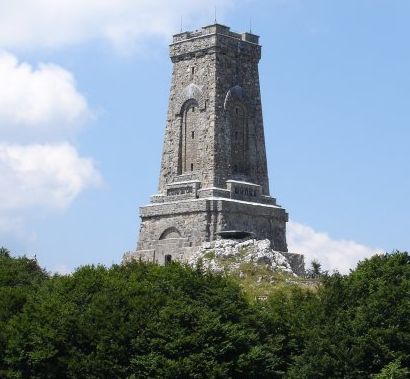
{"type": "Point", "coordinates": [214, 179]}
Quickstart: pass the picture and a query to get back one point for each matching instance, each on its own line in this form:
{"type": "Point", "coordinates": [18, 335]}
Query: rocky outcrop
{"type": "Point", "coordinates": [228, 256]}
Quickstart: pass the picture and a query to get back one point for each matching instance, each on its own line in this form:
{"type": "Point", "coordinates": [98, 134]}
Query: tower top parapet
{"type": "Point", "coordinates": [215, 29]}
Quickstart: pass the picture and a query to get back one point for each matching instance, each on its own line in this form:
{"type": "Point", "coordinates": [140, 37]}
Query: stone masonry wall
{"type": "Point", "coordinates": [201, 220]}
{"type": "Point", "coordinates": [217, 71]}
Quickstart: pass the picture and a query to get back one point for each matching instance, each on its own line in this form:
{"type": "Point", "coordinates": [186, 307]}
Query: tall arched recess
{"type": "Point", "coordinates": [237, 121]}
{"type": "Point", "coordinates": [188, 145]}
{"type": "Point", "coordinates": [239, 139]}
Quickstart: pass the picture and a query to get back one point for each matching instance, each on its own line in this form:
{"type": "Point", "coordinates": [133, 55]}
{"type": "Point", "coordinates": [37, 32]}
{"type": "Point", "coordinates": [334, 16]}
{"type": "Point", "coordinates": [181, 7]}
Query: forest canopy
{"type": "Point", "coordinates": [147, 321]}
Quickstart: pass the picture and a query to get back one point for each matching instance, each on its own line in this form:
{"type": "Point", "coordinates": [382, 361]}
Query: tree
{"type": "Point", "coordinates": [4, 252]}
{"type": "Point", "coordinates": [19, 279]}
{"type": "Point", "coordinates": [316, 269]}
{"type": "Point", "coordinates": [147, 321]}
{"type": "Point", "coordinates": [393, 371]}
{"type": "Point", "coordinates": [361, 322]}
{"type": "Point", "coordinates": [142, 321]}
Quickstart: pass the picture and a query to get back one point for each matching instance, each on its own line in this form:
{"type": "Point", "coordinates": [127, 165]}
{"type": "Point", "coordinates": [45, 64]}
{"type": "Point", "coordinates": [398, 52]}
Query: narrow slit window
{"type": "Point", "coordinates": [192, 167]}
{"type": "Point", "coordinates": [192, 70]}
{"type": "Point", "coordinates": [193, 135]}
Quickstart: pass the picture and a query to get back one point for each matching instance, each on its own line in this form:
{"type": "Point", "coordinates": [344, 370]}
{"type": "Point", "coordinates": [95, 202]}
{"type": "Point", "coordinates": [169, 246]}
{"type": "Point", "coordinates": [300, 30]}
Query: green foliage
{"type": "Point", "coordinates": [141, 320]}
{"type": "Point", "coordinates": [393, 371]}
{"type": "Point", "coordinates": [4, 252]}
{"type": "Point", "coordinates": [315, 270]}
{"type": "Point", "coordinates": [19, 280]}
{"type": "Point", "coordinates": [209, 254]}
{"type": "Point", "coordinates": [147, 321]}
{"type": "Point", "coordinates": [259, 281]}
{"type": "Point", "coordinates": [360, 323]}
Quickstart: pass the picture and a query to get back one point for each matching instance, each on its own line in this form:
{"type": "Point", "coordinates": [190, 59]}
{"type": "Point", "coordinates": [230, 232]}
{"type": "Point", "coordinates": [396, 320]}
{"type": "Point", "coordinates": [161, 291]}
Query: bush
{"type": "Point", "coordinates": [141, 320]}
{"type": "Point", "coordinates": [147, 321]}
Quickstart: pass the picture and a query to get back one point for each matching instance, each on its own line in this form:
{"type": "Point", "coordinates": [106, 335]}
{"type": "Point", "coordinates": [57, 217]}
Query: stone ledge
{"type": "Point", "coordinates": [211, 205]}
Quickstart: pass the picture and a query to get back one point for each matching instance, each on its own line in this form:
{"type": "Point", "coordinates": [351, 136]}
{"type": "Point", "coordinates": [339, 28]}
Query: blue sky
{"type": "Point", "coordinates": [83, 100]}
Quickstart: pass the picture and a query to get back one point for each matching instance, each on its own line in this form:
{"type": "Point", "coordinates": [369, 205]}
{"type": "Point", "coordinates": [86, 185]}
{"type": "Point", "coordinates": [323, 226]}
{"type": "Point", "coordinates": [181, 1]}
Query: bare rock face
{"type": "Point", "coordinates": [229, 255]}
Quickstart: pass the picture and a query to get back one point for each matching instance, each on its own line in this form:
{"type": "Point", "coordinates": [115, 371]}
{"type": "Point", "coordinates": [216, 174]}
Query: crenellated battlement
{"type": "Point", "coordinates": [223, 30]}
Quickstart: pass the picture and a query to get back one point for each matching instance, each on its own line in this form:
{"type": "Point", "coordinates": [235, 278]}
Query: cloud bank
{"type": "Point", "coordinates": [39, 108]}
{"type": "Point", "coordinates": [51, 23]}
{"type": "Point", "coordinates": [50, 176]}
{"type": "Point", "coordinates": [38, 102]}
{"type": "Point", "coordinates": [340, 255]}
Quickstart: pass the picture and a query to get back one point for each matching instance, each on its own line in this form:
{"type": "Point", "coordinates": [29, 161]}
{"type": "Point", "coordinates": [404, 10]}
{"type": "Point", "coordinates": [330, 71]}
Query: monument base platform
{"type": "Point", "coordinates": [173, 230]}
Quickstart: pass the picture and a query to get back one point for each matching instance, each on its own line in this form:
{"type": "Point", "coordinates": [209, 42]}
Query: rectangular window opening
{"type": "Point", "coordinates": [192, 167]}
{"type": "Point", "coordinates": [193, 135]}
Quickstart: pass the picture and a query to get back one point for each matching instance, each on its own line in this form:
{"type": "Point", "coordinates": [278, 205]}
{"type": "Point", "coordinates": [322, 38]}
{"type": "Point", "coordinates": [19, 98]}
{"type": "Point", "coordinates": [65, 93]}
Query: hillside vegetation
{"type": "Point", "coordinates": [146, 321]}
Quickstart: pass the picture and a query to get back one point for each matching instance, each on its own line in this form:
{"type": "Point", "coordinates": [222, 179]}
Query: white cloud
{"type": "Point", "coordinates": [340, 255]}
{"type": "Point", "coordinates": [38, 103]}
{"type": "Point", "coordinates": [38, 106]}
{"type": "Point", "coordinates": [50, 176]}
{"type": "Point", "coordinates": [54, 23]}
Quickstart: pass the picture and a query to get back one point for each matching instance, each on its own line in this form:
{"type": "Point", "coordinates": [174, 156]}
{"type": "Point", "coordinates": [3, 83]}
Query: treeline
{"type": "Point", "coordinates": [146, 321]}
